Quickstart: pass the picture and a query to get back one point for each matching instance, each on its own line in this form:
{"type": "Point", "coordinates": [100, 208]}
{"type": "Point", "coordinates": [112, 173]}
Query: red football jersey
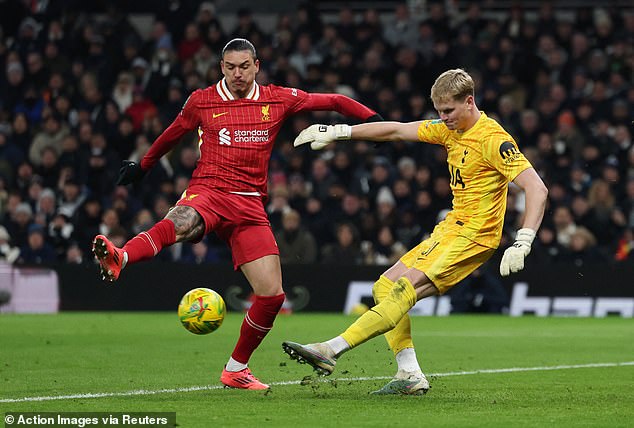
{"type": "Point", "coordinates": [236, 136]}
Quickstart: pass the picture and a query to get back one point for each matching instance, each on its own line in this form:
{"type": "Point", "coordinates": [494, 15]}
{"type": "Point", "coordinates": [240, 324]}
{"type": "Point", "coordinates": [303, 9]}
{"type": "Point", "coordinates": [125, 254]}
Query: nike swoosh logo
{"type": "Point", "coordinates": [219, 114]}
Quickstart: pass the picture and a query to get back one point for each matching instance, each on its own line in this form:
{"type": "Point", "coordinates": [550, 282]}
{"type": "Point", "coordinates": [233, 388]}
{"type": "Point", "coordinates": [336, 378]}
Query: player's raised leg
{"type": "Point", "coordinates": [181, 224]}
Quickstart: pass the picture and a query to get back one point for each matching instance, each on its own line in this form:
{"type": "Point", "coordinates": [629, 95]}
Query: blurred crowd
{"type": "Point", "coordinates": [81, 91]}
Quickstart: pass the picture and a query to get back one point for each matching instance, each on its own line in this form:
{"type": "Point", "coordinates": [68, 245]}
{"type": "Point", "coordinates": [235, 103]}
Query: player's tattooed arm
{"type": "Point", "coordinates": [188, 223]}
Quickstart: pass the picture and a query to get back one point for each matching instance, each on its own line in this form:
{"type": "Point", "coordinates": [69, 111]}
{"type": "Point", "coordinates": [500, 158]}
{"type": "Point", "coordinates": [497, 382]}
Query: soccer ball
{"type": "Point", "coordinates": [201, 311]}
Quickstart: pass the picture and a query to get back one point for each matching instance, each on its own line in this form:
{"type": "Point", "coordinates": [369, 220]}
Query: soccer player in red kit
{"type": "Point", "coordinates": [237, 121]}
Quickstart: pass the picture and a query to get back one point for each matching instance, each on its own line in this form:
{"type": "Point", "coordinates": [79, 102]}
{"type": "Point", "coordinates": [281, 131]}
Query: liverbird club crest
{"type": "Point", "coordinates": [266, 113]}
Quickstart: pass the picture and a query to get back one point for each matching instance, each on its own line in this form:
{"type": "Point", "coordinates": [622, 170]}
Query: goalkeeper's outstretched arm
{"type": "Point", "coordinates": [386, 131]}
{"type": "Point", "coordinates": [319, 136]}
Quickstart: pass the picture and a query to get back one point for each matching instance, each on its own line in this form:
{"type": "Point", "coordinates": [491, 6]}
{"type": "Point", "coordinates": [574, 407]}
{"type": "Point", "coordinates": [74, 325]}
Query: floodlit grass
{"type": "Point", "coordinates": [56, 356]}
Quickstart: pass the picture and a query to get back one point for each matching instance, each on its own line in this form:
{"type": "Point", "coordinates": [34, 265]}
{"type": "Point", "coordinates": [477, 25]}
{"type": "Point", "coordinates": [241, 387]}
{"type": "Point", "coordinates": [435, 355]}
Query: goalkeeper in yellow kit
{"type": "Point", "coordinates": [482, 159]}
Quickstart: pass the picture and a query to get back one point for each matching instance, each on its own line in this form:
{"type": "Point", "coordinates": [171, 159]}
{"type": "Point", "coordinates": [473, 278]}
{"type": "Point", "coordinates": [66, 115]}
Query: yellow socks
{"type": "Point", "coordinates": [384, 316]}
{"type": "Point", "coordinates": [400, 337]}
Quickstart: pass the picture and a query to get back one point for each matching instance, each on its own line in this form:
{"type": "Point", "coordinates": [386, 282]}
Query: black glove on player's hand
{"type": "Point", "coordinates": [130, 172]}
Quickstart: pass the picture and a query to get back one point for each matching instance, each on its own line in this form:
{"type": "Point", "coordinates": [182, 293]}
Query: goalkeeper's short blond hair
{"type": "Point", "coordinates": [455, 84]}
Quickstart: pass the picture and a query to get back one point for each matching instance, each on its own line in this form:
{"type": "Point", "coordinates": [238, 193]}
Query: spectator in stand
{"type": "Point", "coordinates": [190, 44]}
{"type": "Point", "coordinates": [564, 225]}
{"type": "Point", "coordinates": [304, 55]}
{"type": "Point", "coordinates": [546, 249]}
{"type": "Point", "coordinates": [60, 232]}
{"type": "Point", "coordinates": [140, 109]}
{"type": "Point", "coordinates": [8, 253]}
{"type": "Point", "coordinates": [346, 249]}
{"type": "Point", "coordinates": [583, 249]}
{"type": "Point", "coordinates": [403, 29]}
{"type": "Point", "coordinates": [201, 253]}
{"type": "Point", "coordinates": [14, 87]}
{"type": "Point", "coordinates": [74, 255]}
{"type": "Point", "coordinates": [18, 223]}
{"type": "Point", "coordinates": [297, 245]}
{"type": "Point", "coordinates": [481, 292]}
{"type": "Point", "coordinates": [10, 155]}
{"type": "Point", "coordinates": [385, 251]}
{"type": "Point", "coordinates": [37, 250]}
{"type": "Point", "coordinates": [122, 92]}
{"type": "Point", "coordinates": [605, 219]}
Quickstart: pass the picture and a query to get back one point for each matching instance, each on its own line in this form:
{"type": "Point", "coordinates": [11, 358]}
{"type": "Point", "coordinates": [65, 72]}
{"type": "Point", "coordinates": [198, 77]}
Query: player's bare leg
{"type": "Point", "coordinates": [188, 224]}
{"type": "Point", "coordinates": [182, 223]}
{"type": "Point", "coordinates": [265, 277]}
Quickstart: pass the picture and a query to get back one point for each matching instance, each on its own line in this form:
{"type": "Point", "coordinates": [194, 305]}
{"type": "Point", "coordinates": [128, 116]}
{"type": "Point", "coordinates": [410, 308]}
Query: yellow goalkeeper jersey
{"type": "Point", "coordinates": [482, 161]}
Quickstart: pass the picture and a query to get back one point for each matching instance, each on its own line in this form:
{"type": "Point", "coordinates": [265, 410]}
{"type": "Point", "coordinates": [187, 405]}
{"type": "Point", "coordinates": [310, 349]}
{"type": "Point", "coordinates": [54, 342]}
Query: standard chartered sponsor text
{"type": "Point", "coordinates": [251, 135]}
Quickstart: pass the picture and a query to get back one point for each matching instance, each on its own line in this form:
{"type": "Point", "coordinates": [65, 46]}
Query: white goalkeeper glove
{"type": "Point", "coordinates": [319, 136]}
{"type": "Point", "coordinates": [513, 258]}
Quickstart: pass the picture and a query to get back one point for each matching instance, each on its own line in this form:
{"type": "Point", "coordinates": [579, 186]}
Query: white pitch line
{"type": "Point", "coordinates": [296, 382]}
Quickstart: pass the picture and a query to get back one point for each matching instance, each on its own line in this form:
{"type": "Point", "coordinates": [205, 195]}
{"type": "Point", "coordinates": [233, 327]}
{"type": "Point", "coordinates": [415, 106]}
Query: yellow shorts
{"type": "Point", "coordinates": [447, 257]}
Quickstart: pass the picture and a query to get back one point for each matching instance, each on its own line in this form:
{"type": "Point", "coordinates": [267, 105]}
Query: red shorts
{"type": "Point", "coordinates": [238, 220]}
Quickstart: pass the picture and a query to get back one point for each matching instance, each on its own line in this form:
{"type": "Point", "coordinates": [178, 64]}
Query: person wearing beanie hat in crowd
{"type": "Point", "coordinates": [37, 250]}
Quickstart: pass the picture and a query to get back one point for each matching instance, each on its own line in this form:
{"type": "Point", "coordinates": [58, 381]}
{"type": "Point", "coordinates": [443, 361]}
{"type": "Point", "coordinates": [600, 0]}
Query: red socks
{"type": "Point", "coordinates": [257, 323]}
{"type": "Point", "coordinates": [148, 244]}
{"type": "Point", "coordinates": [258, 320]}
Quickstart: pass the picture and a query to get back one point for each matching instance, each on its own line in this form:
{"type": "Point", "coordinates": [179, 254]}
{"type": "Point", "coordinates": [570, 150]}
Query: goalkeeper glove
{"type": "Point", "coordinates": [130, 172]}
{"type": "Point", "coordinates": [319, 136]}
{"type": "Point", "coordinates": [513, 258]}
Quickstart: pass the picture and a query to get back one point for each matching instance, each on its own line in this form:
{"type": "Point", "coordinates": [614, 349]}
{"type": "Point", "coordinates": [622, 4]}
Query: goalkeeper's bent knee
{"type": "Point", "coordinates": [381, 289]}
{"type": "Point", "coordinates": [384, 316]}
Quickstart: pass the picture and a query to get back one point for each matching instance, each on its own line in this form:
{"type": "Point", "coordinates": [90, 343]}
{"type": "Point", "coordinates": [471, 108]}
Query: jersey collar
{"type": "Point", "coordinates": [226, 95]}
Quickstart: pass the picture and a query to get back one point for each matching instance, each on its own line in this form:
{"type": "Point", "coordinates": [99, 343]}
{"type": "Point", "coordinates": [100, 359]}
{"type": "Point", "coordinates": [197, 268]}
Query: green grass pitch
{"type": "Point", "coordinates": [562, 371]}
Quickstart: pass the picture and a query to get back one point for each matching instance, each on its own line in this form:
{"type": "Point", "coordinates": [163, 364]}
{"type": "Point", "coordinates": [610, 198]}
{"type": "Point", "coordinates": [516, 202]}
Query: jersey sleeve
{"type": "Point", "coordinates": [297, 100]}
{"type": "Point", "coordinates": [187, 120]}
{"type": "Point", "coordinates": [503, 154]}
{"type": "Point", "coordinates": [190, 113]}
{"type": "Point", "coordinates": [294, 99]}
{"type": "Point", "coordinates": [433, 131]}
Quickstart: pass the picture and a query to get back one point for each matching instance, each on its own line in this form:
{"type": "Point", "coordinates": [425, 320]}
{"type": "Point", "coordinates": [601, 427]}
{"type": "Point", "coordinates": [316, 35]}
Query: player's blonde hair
{"type": "Point", "coordinates": [455, 84]}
